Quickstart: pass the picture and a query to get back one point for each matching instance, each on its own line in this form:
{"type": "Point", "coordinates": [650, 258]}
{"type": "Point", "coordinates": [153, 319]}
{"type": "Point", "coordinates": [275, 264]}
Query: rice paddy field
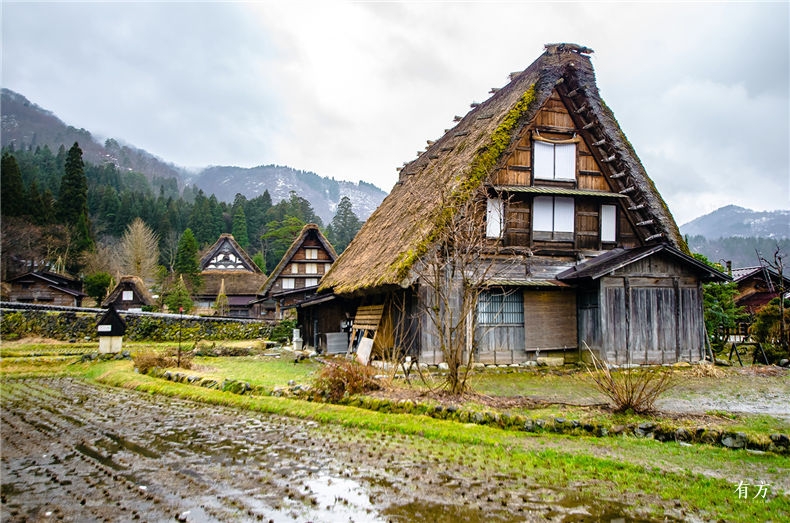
{"type": "Point", "coordinates": [85, 439]}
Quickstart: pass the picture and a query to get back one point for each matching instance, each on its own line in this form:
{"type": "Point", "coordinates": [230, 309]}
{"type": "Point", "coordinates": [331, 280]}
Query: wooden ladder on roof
{"type": "Point", "coordinates": [366, 324]}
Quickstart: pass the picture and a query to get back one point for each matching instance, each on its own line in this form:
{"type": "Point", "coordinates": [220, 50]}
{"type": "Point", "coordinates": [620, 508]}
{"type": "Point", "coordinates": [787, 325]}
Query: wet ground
{"type": "Point", "coordinates": [78, 452]}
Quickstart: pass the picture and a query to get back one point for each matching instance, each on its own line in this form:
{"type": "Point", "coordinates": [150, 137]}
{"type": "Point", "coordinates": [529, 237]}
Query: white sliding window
{"type": "Point", "coordinates": [553, 218]}
{"type": "Point", "coordinates": [608, 223]}
{"type": "Point", "coordinates": [495, 212]}
{"type": "Point", "coordinates": [554, 161]}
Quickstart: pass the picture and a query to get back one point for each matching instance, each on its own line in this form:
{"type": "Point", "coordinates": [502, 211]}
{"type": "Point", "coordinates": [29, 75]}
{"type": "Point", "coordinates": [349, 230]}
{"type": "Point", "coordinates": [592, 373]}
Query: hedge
{"type": "Point", "coordinates": [69, 325]}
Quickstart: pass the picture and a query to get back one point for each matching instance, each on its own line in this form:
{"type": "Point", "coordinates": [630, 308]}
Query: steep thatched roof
{"type": "Point", "coordinates": [132, 283]}
{"type": "Point", "coordinates": [401, 229]}
{"type": "Point", "coordinates": [236, 282]}
{"type": "Point", "coordinates": [308, 230]}
{"type": "Point", "coordinates": [227, 244]}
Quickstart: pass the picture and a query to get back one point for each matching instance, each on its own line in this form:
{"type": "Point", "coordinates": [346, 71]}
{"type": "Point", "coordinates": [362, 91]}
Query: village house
{"type": "Point", "coordinates": [757, 286]}
{"type": "Point", "coordinates": [46, 288]}
{"type": "Point", "coordinates": [130, 294]}
{"type": "Point", "coordinates": [296, 277]}
{"type": "Point", "coordinates": [226, 269]}
{"type": "Point", "coordinates": [580, 250]}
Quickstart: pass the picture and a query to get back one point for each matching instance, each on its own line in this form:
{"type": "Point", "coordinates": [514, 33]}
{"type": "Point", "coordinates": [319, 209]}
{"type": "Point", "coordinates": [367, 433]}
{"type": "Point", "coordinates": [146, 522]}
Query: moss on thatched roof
{"type": "Point", "coordinates": [404, 226]}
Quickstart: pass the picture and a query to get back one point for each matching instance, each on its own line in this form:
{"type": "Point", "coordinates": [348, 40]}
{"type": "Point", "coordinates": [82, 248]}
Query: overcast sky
{"type": "Point", "coordinates": [353, 90]}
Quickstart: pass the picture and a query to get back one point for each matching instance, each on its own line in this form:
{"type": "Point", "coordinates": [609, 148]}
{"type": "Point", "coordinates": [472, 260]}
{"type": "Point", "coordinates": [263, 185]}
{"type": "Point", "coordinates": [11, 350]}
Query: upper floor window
{"type": "Point", "coordinates": [495, 212]}
{"type": "Point", "coordinates": [289, 283]}
{"type": "Point", "coordinates": [127, 296]}
{"type": "Point", "coordinates": [294, 268]}
{"type": "Point", "coordinates": [311, 268]}
{"type": "Point", "coordinates": [311, 254]}
{"type": "Point", "coordinates": [608, 223]}
{"type": "Point", "coordinates": [554, 161]}
{"type": "Point", "coordinates": [553, 218]}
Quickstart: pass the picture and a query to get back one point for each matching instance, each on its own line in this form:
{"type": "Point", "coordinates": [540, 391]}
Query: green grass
{"type": "Point", "coordinates": [266, 372]}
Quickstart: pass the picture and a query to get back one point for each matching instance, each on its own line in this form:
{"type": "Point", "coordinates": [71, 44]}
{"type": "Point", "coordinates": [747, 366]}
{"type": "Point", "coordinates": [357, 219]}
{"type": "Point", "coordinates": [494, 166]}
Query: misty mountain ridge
{"type": "Point", "coordinates": [25, 124]}
{"type": "Point", "coordinates": [323, 193]}
{"type": "Point", "coordinates": [734, 221]}
{"type": "Point", "coordinates": [738, 235]}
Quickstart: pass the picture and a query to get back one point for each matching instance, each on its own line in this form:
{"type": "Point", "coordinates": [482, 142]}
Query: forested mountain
{"type": "Point", "coordinates": [324, 193]}
{"type": "Point", "coordinates": [25, 125]}
{"type": "Point", "coordinates": [70, 204]}
{"type": "Point", "coordinates": [739, 235]}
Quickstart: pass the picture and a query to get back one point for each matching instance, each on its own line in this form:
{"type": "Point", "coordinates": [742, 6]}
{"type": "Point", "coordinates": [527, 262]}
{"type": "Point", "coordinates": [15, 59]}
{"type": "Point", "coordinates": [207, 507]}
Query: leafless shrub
{"type": "Point", "coordinates": [706, 371]}
{"type": "Point", "coordinates": [631, 389]}
{"type": "Point", "coordinates": [144, 361]}
{"type": "Point", "coordinates": [343, 377]}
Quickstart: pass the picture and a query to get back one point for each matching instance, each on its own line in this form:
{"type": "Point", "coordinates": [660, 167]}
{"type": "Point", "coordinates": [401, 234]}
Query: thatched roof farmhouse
{"type": "Point", "coordinates": [562, 187]}
{"type": "Point", "coordinates": [226, 267]}
{"type": "Point", "coordinates": [295, 278]}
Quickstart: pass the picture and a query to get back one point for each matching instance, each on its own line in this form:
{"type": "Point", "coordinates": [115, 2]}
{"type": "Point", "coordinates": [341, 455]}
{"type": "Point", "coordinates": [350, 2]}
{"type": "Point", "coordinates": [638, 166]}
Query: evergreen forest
{"type": "Point", "coordinates": [63, 214]}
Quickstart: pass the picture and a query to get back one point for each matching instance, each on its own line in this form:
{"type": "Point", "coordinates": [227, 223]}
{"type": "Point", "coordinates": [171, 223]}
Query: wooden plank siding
{"type": "Point", "coordinates": [500, 345]}
{"type": "Point", "coordinates": [518, 223]}
{"type": "Point", "coordinates": [651, 313]}
{"type": "Point", "coordinates": [588, 228]}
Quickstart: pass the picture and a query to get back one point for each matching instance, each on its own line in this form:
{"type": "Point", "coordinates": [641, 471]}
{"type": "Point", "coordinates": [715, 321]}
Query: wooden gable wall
{"type": "Point", "coordinates": [553, 121]}
{"type": "Point", "coordinates": [298, 265]}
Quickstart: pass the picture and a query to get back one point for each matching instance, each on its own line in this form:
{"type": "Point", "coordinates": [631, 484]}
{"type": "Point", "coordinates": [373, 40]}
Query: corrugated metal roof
{"type": "Point", "coordinates": [557, 191]}
{"type": "Point", "coordinates": [525, 283]}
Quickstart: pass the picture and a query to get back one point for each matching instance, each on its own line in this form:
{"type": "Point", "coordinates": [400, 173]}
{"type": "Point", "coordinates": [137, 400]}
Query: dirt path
{"type": "Point", "coordinates": [77, 452]}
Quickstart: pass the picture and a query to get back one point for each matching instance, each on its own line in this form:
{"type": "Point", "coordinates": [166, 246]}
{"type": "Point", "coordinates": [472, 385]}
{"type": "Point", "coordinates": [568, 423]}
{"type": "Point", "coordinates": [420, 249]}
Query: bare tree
{"type": "Point", "coordinates": [778, 265]}
{"type": "Point", "coordinates": [104, 258]}
{"type": "Point", "coordinates": [139, 251]}
{"type": "Point", "coordinates": [453, 272]}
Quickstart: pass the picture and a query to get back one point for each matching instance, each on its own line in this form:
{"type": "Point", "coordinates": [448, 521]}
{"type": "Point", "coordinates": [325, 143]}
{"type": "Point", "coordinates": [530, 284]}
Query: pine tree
{"type": "Point", "coordinates": [72, 207]}
{"type": "Point", "coordinates": [12, 199]}
{"type": "Point", "coordinates": [344, 225]}
{"type": "Point", "coordinates": [73, 197]}
{"type": "Point", "coordinates": [178, 298]}
{"type": "Point", "coordinates": [239, 230]}
{"type": "Point", "coordinates": [187, 262]}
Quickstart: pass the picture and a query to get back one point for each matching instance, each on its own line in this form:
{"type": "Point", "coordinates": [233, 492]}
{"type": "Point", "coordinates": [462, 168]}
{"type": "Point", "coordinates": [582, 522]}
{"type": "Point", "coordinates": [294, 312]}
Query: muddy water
{"type": "Point", "coordinates": [76, 452]}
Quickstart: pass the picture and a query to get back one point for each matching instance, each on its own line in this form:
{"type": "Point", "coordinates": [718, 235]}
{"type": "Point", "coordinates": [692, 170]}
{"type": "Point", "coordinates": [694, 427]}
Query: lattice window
{"type": "Point", "coordinates": [500, 308]}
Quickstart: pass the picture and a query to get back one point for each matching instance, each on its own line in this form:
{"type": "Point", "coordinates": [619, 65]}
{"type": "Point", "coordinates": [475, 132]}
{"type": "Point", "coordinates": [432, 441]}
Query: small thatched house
{"type": "Point", "coordinates": [130, 294]}
{"type": "Point", "coordinates": [227, 268]}
{"type": "Point", "coordinates": [580, 249]}
{"type": "Point", "coordinates": [46, 288]}
{"type": "Point", "coordinates": [296, 277]}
